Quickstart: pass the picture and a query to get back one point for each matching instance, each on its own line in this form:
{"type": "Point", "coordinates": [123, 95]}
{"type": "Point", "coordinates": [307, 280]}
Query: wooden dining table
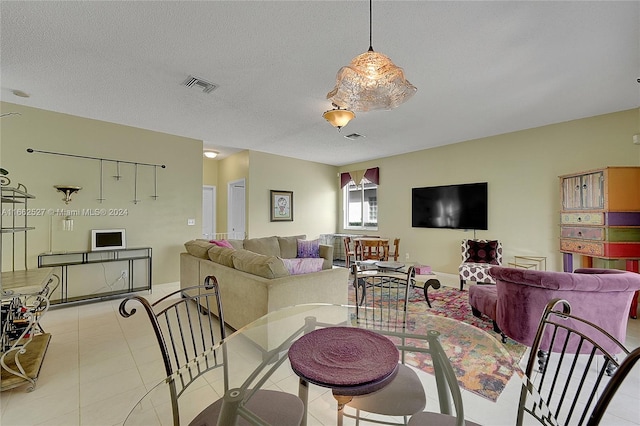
{"type": "Point", "coordinates": [372, 248]}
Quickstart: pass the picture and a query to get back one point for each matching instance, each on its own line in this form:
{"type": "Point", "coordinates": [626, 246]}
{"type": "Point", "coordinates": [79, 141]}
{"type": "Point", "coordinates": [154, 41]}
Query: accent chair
{"type": "Point", "coordinates": [602, 296]}
{"type": "Point", "coordinates": [477, 257]}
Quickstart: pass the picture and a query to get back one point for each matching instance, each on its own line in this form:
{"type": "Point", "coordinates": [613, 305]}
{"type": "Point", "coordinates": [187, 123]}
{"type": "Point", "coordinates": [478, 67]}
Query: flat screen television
{"type": "Point", "coordinates": [451, 206]}
{"type": "Point", "coordinates": [108, 239]}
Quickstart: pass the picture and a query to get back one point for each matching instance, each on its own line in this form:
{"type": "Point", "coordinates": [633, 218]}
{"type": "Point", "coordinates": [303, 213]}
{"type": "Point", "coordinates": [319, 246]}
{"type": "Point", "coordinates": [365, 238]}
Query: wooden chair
{"type": "Point", "coordinates": [349, 252]}
{"type": "Point", "coordinates": [372, 249]}
{"type": "Point", "coordinates": [186, 333]}
{"type": "Point", "coordinates": [396, 250]}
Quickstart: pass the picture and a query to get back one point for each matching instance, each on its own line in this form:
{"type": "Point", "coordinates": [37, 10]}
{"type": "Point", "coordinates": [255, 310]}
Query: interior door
{"type": "Point", "coordinates": [208, 212]}
{"type": "Point", "coordinates": [236, 210]}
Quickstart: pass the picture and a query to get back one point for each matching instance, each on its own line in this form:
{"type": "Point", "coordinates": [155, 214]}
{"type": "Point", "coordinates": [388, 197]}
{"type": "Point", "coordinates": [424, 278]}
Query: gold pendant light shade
{"type": "Point", "coordinates": [370, 82]}
{"type": "Point", "coordinates": [338, 117]}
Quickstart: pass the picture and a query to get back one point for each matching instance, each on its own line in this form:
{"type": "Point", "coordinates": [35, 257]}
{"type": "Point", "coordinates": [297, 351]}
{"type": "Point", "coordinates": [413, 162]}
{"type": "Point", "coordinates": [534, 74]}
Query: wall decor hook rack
{"type": "Point", "coordinates": [117, 176]}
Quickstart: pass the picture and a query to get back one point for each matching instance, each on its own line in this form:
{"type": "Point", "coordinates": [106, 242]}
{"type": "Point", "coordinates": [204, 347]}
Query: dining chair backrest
{"type": "Point", "coordinates": [447, 386]}
{"type": "Point", "coordinates": [349, 252]}
{"type": "Point", "coordinates": [396, 249]}
{"type": "Point", "coordinates": [183, 322]}
{"type": "Point", "coordinates": [372, 248]}
{"type": "Point", "coordinates": [385, 295]}
{"type": "Point", "coordinates": [405, 395]}
{"type": "Point", "coordinates": [189, 338]}
{"type": "Point", "coordinates": [568, 380]}
{"type": "Point", "coordinates": [612, 387]}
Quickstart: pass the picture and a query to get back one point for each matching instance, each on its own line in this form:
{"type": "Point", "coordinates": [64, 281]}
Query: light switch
{"type": "Point", "coordinates": [191, 222]}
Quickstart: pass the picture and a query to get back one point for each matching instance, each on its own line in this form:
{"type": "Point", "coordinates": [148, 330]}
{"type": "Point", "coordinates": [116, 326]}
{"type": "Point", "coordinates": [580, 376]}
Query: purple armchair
{"type": "Point", "coordinates": [602, 296]}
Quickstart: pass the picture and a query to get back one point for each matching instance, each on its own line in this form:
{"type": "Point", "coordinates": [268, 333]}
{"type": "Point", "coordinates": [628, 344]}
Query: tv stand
{"type": "Point", "coordinates": [91, 275]}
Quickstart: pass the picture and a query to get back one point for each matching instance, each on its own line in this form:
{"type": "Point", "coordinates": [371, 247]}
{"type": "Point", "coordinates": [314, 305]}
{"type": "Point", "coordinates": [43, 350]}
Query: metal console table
{"type": "Point", "coordinates": [87, 275]}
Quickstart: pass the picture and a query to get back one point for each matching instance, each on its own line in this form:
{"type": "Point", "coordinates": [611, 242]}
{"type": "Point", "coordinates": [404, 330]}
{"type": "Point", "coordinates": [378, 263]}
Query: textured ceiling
{"type": "Point", "coordinates": [481, 68]}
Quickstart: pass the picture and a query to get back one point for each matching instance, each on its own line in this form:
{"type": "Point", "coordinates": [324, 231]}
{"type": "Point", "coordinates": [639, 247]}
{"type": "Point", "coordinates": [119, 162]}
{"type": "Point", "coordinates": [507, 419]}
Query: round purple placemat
{"type": "Point", "coordinates": [343, 357]}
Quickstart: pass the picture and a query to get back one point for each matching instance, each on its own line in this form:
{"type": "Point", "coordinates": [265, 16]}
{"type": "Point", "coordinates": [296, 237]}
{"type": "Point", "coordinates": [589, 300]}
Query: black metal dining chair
{"type": "Point", "coordinates": [612, 387]}
{"type": "Point", "coordinates": [385, 294]}
{"type": "Point", "coordinates": [188, 336]}
{"type": "Point", "coordinates": [579, 359]}
{"type": "Point", "coordinates": [444, 372]}
{"type": "Point", "coordinates": [404, 396]}
{"type": "Point", "coordinates": [382, 306]}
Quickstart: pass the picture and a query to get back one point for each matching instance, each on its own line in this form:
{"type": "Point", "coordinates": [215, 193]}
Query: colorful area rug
{"type": "Point", "coordinates": [453, 303]}
{"type": "Point", "coordinates": [481, 370]}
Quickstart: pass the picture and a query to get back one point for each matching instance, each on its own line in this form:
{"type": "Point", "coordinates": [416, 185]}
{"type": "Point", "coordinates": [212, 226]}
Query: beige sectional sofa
{"type": "Point", "coordinates": [253, 277]}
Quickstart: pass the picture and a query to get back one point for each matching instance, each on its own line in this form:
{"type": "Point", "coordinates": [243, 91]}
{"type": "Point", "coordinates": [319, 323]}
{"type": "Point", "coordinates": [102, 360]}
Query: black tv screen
{"type": "Point", "coordinates": [452, 206]}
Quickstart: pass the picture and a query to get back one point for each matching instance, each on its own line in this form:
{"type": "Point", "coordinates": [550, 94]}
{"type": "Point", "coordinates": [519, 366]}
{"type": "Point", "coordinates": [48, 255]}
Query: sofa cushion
{"type": "Point", "coordinates": [483, 252]}
{"type": "Point", "coordinates": [289, 246]}
{"type": "Point", "coordinates": [221, 255]}
{"type": "Point", "coordinates": [237, 244]}
{"type": "Point", "coordinates": [222, 243]}
{"type": "Point", "coordinates": [267, 246]}
{"type": "Point", "coordinates": [308, 248]}
{"type": "Point", "coordinates": [258, 264]}
{"type": "Point", "coordinates": [303, 265]}
{"type": "Point", "coordinates": [198, 248]}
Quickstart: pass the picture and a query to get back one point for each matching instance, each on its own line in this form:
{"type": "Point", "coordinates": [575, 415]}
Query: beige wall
{"type": "Point", "coordinates": [210, 171]}
{"type": "Point", "coordinates": [160, 224]}
{"type": "Point", "coordinates": [522, 170]}
{"type": "Point", "coordinates": [314, 187]}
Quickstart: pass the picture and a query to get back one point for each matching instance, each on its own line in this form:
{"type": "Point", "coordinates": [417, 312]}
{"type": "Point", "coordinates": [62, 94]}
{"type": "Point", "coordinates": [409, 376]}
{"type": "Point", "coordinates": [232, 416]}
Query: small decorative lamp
{"type": "Point", "coordinates": [68, 191]}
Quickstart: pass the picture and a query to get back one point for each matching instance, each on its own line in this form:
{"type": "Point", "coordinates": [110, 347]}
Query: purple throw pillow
{"type": "Point", "coordinates": [222, 243]}
{"type": "Point", "coordinates": [303, 265]}
{"type": "Point", "coordinates": [308, 248]}
{"type": "Point", "coordinates": [483, 252]}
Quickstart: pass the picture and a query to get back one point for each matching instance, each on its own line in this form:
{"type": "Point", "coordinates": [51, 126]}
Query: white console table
{"type": "Point", "coordinates": [86, 275]}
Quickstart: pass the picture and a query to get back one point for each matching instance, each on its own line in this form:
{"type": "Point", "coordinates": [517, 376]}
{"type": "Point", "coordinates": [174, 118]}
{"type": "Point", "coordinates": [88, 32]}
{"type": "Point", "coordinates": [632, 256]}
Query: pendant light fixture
{"type": "Point", "coordinates": [370, 82]}
{"type": "Point", "coordinates": [338, 117]}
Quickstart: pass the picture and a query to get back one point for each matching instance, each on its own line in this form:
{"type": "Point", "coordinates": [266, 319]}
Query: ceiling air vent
{"type": "Point", "coordinates": [354, 136]}
{"type": "Point", "coordinates": [198, 82]}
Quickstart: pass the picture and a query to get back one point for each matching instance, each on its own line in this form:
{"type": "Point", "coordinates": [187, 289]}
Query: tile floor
{"type": "Point", "coordinates": [99, 364]}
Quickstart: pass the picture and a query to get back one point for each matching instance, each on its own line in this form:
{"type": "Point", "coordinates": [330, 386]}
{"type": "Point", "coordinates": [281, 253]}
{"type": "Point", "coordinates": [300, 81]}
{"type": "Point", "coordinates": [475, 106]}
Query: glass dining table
{"type": "Point", "coordinates": [491, 381]}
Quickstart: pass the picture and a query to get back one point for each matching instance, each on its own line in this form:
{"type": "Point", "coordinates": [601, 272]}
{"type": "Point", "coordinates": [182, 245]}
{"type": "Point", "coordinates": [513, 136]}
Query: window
{"type": "Point", "coordinates": [361, 205]}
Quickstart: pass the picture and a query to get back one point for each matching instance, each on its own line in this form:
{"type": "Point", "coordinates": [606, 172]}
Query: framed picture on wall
{"type": "Point", "coordinates": [281, 206]}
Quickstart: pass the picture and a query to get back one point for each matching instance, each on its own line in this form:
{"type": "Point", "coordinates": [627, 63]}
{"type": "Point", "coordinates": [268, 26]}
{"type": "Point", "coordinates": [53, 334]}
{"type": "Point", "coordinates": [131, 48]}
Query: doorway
{"type": "Point", "coordinates": [208, 212]}
{"type": "Point", "coordinates": [236, 210]}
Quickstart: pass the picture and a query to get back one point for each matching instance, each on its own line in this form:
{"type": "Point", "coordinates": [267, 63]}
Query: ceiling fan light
{"type": "Point", "coordinates": [338, 117]}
